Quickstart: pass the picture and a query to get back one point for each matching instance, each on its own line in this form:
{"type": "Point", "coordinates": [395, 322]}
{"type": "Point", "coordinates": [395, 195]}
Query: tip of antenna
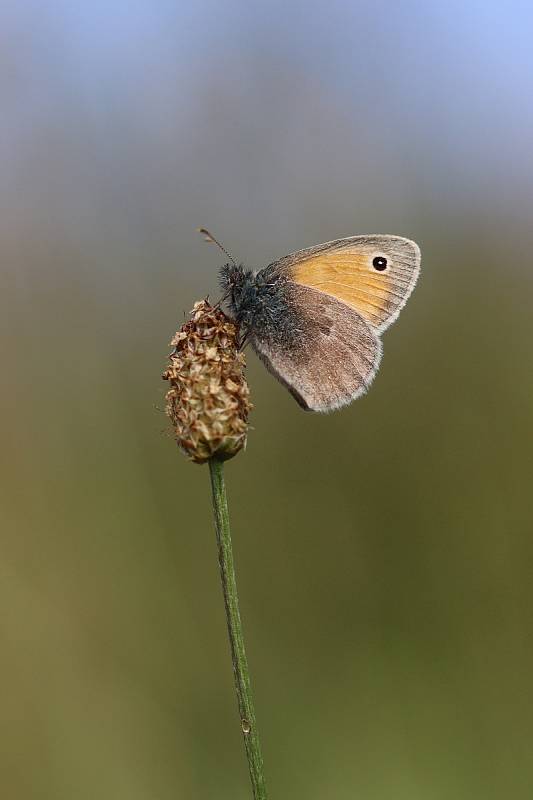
{"type": "Point", "coordinates": [208, 237]}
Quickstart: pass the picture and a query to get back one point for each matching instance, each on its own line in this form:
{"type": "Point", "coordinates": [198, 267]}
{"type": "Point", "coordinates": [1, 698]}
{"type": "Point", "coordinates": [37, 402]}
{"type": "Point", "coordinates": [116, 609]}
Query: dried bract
{"type": "Point", "coordinates": [208, 400]}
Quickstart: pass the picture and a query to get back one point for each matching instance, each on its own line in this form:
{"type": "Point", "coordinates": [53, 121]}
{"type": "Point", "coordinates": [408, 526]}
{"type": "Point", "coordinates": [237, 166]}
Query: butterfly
{"type": "Point", "coordinates": [315, 317]}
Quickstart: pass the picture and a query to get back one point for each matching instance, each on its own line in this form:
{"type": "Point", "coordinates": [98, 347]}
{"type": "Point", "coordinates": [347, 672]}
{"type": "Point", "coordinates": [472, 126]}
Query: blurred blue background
{"type": "Point", "coordinates": [384, 552]}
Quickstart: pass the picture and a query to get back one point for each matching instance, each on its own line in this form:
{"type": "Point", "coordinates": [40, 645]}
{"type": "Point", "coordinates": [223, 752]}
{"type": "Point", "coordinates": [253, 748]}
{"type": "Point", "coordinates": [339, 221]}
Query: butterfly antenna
{"type": "Point", "coordinates": [208, 237]}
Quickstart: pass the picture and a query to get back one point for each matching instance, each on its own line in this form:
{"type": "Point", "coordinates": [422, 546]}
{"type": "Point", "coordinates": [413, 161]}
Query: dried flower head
{"type": "Point", "coordinates": [208, 400]}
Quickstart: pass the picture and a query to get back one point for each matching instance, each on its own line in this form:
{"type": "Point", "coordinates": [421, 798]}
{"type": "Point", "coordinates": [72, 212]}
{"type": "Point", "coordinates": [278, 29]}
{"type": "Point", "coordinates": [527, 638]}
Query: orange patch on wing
{"type": "Point", "coordinates": [349, 277]}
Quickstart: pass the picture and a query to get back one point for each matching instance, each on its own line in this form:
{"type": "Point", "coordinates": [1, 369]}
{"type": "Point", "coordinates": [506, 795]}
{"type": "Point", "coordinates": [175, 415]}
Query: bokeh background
{"type": "Point", "coordinates": [384, 552]}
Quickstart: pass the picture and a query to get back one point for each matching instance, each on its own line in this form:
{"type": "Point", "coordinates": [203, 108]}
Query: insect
{"type": "Point", "coordinates": [315, 317]}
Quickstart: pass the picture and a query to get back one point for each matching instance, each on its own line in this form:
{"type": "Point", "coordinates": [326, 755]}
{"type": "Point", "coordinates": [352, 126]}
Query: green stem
{"type": "Point", "coordinates": [233, 617]}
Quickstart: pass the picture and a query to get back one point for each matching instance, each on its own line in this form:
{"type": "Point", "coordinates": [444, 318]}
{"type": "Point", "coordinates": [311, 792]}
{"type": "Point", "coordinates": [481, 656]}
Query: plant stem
{"type": "Point", "coordinates": [233, 618]}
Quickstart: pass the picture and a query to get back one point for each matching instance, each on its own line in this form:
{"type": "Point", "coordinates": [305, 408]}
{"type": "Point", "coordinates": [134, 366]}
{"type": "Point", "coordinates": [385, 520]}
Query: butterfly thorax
{"type": "Point", "coordinates": [260, 305]}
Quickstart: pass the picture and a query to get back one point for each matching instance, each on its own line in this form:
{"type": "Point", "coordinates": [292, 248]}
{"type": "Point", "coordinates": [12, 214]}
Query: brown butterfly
{"type": "Point", "coordinates": [315, 317]}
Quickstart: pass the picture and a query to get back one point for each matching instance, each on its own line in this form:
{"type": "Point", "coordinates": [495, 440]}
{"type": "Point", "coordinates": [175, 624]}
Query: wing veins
{"type": "Point", "coordinates": [347, 286]}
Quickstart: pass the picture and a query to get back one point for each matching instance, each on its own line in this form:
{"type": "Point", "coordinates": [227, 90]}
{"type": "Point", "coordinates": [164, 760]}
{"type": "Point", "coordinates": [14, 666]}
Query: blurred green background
{"type": "Point", "coordinates": [384, 552]}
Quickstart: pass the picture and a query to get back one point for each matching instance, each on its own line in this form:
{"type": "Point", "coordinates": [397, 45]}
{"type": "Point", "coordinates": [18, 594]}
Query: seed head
{"type": "Point", "coordinates": [208, 400]}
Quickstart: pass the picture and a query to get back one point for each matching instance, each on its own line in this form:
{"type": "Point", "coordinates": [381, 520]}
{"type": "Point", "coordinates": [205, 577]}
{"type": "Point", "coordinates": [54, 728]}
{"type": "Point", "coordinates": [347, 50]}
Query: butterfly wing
{"type": "Point", "coordinates": [353, 271]}
{"type": "Point", "coordinates": [332, 356]}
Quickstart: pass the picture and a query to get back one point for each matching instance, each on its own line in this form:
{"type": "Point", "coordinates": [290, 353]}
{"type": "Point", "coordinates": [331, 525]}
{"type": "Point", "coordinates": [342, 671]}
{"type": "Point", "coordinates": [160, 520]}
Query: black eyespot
{"type": "Point", "coordinates": [379, 263]}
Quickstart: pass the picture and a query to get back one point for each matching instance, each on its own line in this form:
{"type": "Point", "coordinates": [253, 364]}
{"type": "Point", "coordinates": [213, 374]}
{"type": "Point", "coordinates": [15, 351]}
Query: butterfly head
{"type": "Point", "coordinates": [231, 278]}
{"type": "Point", "coordinates": [240, 288]}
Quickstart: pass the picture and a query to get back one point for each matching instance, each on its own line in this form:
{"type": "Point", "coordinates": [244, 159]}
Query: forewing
{"type": "Point", "coordinates": [332, 359]}
{"type": "Point", "coordinates": [344, 269]}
